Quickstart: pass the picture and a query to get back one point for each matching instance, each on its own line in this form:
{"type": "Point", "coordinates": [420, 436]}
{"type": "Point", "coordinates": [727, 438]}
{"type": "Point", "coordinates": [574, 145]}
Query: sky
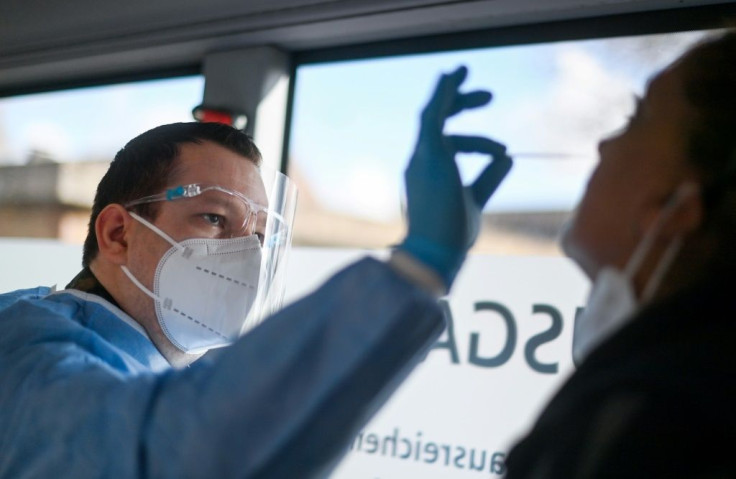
{"type": "Point", "coordinates": [355, 122]}
{"type": "Point", "coordinates": [92, 123]}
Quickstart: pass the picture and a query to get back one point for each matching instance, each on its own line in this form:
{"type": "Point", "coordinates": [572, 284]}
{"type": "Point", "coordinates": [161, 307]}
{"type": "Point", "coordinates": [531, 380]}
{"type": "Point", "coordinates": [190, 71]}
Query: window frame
{"type": "Point", "coordinates": [630, 24]}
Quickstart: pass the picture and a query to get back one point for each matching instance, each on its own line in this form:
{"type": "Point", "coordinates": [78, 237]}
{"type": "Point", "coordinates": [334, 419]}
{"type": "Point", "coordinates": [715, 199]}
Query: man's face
{"type": "Point", "coordinates": [206, 216]}
{"type": "Point", "coordinates": [639, 170]}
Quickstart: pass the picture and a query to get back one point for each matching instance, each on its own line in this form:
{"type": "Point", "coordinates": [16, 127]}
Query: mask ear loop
{"type": "Point", "coordinates": [156, 230]}
{"type": "Point", "coordinates": [645, 246]}
{"type": "Point", "coordinates": [185, 251]}
{"type": "Point", "coordinates": [140, 285]}
{"type": "Point", "coordinates": [163, 235]}
{"type": "Point", "coordinates": [664, 265]}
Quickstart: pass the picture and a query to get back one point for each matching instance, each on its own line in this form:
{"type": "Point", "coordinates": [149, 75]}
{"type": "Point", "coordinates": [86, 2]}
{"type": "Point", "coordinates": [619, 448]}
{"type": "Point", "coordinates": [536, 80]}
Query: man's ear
{"type": "Point", "coordinates": [111, 227]}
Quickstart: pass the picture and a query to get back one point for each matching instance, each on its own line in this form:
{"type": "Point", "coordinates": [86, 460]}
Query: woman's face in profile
{"type": "Point", "coordinates": [639, 169]}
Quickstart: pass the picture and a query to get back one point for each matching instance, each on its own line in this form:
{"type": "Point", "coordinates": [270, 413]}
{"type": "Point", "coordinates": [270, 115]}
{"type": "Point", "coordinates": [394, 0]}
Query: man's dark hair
{"type": "Point", "coordinates": [143, 166]}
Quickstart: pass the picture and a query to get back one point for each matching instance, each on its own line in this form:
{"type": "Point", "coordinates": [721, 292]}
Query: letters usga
{"type": "Point", "coordinates": [500, 311]}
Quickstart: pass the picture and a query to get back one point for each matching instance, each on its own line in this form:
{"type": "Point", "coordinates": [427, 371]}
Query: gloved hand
{"type": "Point", "coordinates": [444, 216]}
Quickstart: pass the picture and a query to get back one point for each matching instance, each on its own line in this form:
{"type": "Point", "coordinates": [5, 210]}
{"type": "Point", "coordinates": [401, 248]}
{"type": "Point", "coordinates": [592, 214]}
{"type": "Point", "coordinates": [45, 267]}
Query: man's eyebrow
{"type": "Point", "coordinates": [219, 200]}
{"type": "Point", "coordinates": [214, 200]}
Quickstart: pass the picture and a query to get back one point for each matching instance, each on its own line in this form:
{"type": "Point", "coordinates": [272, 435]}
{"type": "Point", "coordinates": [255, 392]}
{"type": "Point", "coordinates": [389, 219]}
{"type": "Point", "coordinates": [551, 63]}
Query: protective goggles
{"type": "Point", "coordinates": [229, 211]}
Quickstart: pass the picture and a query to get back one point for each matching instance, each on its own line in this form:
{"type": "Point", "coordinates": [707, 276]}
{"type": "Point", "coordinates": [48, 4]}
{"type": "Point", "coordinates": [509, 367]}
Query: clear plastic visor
{"type": "Point", "coordinates": [277, 223]}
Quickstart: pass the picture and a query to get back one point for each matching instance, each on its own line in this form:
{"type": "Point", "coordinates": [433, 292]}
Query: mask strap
{"type": "Point", "coordinates": [641, 251]}
{"type": "Point", "coordinates": [139, 284]}
{"type": "Point", "coordinates": [163, 235]}
{"type": "Point", "coordinates": [157, 230]}
{"type": "Point", "coordinates": [637, 258]}
{"type": "Point", "coordinates": [664, 265]}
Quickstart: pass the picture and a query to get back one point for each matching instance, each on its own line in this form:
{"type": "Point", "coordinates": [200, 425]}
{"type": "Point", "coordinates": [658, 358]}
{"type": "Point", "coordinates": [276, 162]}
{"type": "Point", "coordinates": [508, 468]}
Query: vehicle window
{"type": "Point", "coordinates": [355, 122]}
{"type": "Point", "coordinates": [54, 148]}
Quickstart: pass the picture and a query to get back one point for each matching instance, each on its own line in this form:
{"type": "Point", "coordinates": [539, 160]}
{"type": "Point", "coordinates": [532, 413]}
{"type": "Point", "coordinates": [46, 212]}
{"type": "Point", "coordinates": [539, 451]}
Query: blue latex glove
{"type": "Point", "coordinates": [444, 216]}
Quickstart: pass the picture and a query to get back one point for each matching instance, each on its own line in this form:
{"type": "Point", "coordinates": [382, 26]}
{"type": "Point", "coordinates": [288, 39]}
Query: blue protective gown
{"type": "Point", "coordinates": [85, 394]}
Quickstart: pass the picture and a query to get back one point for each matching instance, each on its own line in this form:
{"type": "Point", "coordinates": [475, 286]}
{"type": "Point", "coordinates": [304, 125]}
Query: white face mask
{"type": "Point", "coordinates": [203, 289]}
{"type": "Point", "coordinates": [612, 299]}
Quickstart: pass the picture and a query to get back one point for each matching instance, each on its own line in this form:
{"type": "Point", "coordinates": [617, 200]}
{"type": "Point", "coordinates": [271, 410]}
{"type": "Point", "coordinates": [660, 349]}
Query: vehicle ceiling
{"type": "Point", "coordinates": [46, 42]}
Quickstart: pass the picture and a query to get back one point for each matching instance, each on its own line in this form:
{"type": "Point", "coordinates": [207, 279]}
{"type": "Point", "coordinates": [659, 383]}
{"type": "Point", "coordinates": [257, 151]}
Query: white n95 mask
{"type": "Point", "coordinates": [203, 289]}
{"type": "Point", "coordinates": [612, 300]}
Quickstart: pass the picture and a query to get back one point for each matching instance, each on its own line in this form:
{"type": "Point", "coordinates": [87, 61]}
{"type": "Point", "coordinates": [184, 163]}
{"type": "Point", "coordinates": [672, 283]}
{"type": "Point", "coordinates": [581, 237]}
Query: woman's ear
{"type": "Point", "coordinates": [111, 228]}
{"type": "Point", "coordinates": [687, 216]}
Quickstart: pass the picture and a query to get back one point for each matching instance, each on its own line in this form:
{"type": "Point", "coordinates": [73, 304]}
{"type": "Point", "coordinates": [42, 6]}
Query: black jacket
{"type": "Point", "coordinates": [658, 399]}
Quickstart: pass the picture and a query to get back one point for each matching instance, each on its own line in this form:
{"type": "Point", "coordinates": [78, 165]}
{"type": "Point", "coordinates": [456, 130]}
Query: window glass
{"type": "Point", "coordinates": [55, 147]}
{"type": "Point", "coordinates": [510, 314]}
{"type": "Point", "coordinates": [355, 122]}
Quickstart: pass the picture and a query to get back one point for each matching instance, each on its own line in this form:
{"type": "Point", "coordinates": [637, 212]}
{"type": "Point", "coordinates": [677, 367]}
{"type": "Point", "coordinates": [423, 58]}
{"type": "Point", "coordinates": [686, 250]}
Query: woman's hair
{"type": "Point", "coordinates": [709, 78]}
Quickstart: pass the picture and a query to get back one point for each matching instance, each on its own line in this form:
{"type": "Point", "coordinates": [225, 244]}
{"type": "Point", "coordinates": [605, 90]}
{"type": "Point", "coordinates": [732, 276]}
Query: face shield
{"type": "Point", "coordinates": [229, 274]}
{"type": "Point", "coordinates": [277, 235]}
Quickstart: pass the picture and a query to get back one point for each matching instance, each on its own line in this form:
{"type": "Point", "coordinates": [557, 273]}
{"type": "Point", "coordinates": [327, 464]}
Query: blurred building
{"type": "Point", "coordinates": [517, 233]}
{"type": "Point", "coordinates": [44, 199]}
